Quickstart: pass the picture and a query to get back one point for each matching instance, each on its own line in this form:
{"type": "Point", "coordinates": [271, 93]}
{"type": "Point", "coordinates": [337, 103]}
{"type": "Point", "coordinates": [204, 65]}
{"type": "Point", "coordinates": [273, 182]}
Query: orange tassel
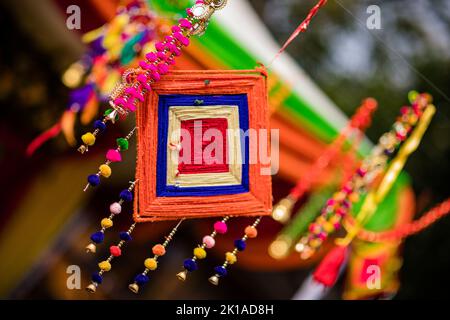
{"type": "Point", "coordinates": [67, 126]}
{"type": "Point", "coordinates": [90, 110]}
{"type": "Point", "coordinates": [328, 270]}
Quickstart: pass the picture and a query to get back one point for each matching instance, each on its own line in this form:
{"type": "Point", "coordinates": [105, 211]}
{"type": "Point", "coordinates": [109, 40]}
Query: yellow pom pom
{"type": "Point", "coordinates": [315, 243]}
{"type": "Point", "coordinates": [230, 257]}
{"type": "Point", "coordinates": [200, 253]}
{"type": "Point", "coordinates": [88, 139]}
{"type": "Point", "coordinates": [328, 227]}
{"type": "Point", "coordinates": [105, 170]}
{"type": "Point", "coordinates": [151, 264]}
{"type": "Point", "coordinates": [104, 265]}
{"type": "Point", "coordinates": [106, 223]}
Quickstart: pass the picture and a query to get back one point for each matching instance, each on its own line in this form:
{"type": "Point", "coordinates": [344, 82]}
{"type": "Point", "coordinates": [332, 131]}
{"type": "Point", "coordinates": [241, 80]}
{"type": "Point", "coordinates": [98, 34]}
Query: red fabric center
{"type": "Point", "coordinates": [214, 160]}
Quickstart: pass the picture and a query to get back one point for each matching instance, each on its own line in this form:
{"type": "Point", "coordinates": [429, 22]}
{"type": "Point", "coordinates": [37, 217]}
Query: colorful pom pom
{"type": "Point", "coordinates": [125, 236]}
{"type": "Point", "coordinates": [113, 155]}
{"type": "Point", "coordinates": [93, 180]}
{"type": "Point", "coordinates": [97, 237]}
{"type": "Point", "coordinates": [104, 265]}
{"type": "Point", "coordinates": [220, 227]}
{"type": "Point", "coordinates": [141, 279]}
{"type": "Point", "coordinates": [115, 251]}
{"type": "Point", "coordinates": [199, 253]}
{"type": "Point", "coordinates": [251, 232]}
{"type": "Point", "coordinates": [221, 271]}
{"type": "Point", "coordinates": [190, 265]}
{"type": "Point", "coordinates": [230, 257]}
{"type": "Point", "coordinates": [209, 241]}
{"type": "Point", "coordinates": [115, 208]}
{"type": "Point", "coordinates": [100, 125]}
{"type": "Point", "coordinates": [106, 223]}
{"type": "Point", "coordinates": [97, 278]}
{"type": "Point", "coordinates": [159, 250]}
{"type": "Point", "coordinates": [126, 195]}
{"type": "Point", "coordinates": [88, 139]}
{"type": "Point", "coordinates": [240, 244]}
{"type": "Point", "coordinates": [151, 264]}
{"type": "Point", "coordinates": [105, 170]}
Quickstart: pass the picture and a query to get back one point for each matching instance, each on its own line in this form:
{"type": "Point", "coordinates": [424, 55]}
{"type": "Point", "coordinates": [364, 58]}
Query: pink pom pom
{"type": "Point", "coordinates": [115, 208]}
{"type": "Point", "coordinates": [220, 227]}
{"type": "Point", "coordinates": [209, 241]}
{"type": "Point", "coordinates": [115, 251]}
{"type": "Point", "coordinates": [113, 156]}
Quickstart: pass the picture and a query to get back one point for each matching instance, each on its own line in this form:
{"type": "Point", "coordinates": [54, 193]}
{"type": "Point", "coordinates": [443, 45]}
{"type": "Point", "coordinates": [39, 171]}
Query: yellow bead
{"type": "Point", "coordinates": [230, 257]}
{"type": "Point", "coordinates": [88, 139]}
{"type": "Point", "coordinates": [151, 264]}
{"type": "Point", "coordinates": [106, 223]}
{"type": "Point", "coordinates": [328, 227]}
{"type": "Point", "coordinates": [105, 170]}
{"type": "Point", "coordinates": [200, 253]}
{"type": "Point", "coordinates": [105, 265]}
{"type": "Point", "coordinates": [315, 243]}
{"type": "Point", "coordinates": [354, 197]}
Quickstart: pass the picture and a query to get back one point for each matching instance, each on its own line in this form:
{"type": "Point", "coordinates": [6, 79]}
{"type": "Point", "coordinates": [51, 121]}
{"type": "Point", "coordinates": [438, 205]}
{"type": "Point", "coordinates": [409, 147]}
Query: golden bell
{"type": "Point", "coordinates": [214, 280]}
{"type": "Point", "coordinates": [182, 275]}
{"type": "Point", "coordinates": [82, 149]}
{"type": "Point", "coordinates": [90, 248]}
{"type": "Point", "coordinates": [134, 287]}
{"type": "Point", "coordinates": [91, 288]}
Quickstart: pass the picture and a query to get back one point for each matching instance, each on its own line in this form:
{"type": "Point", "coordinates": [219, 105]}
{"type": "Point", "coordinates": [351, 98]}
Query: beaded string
{"type": "Point", "coordinates": [105, 266]}
{"type": "Point", "coordinates": [115, 208]}
{"type": "Point", "coordinates": [359, 122]}
{"type": "Point", "coordinates": [151, 264]}
{"type": "Point", "coordinates": [403, 231]}
{"type": "Point", "coordinates": [137, 82]}
{"type": "Point", "coordinates": [337, 207]}
{"type": "Point", "coordinates": [113, 155]}
{"type": "Point", "coordinates": [231, 256]}
{"type": "Point", "coordinates": [199, 253]}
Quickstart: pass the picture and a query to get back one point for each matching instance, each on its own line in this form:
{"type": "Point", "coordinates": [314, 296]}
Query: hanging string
{"type": "Point", "coordinates": [301, 28]}
{"type": "Point", "coordinates": [406, 230]}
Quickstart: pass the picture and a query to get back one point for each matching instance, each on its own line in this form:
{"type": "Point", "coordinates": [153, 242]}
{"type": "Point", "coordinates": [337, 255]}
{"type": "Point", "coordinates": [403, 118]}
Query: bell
{"type": "Point", "coordinates": [182, 275]}
{"type": "Point", "coordinates": [134, 287]}
{"type": "Point", "coordinates": [90, 248]}
{"type": "Point", "coordinates": [82, 149]}
{"type": "Point", "coordinates": [91, 288]}
{"type": "Point", "coordinates": [214, 280]}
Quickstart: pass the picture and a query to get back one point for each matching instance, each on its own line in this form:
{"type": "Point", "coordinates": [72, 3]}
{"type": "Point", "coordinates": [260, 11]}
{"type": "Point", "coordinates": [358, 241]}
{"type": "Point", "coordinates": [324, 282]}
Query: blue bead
{"type": "Point", "coordinates": [240, 244]}
{"type": "Point", "coordinates": [94, 180]}
{"type": "Point", "coordinates": [221, 271]}
{"type": "Point", "coordinates": [141, 279]}
{"type": "Point", "coordinates": [97, 278]}
{"type": "Point", "coordinates": [126, 195]}
{"type": "Point", "coordinates": [97, 237]}
{"type": "Point", "coordinates": [125, 236]}
{"type": "Point", "coordinates": [190, 265]}
{"type": "Point", "coordinates": [98, 124]}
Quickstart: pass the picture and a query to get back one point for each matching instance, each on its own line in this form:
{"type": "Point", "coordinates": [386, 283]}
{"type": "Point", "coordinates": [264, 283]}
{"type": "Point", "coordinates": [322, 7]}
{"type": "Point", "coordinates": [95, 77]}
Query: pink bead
{"type": "Point", "coordinates": [330, 202]}
{"type": "Point", "coordinates": [115, 251]}
{"type": "Point", "coordinates": [115, 208]}
{"type": "Point", "coordinates": [209, 241]}
{"type": "Point", "coordinates": [322, 236]}
{"type": "Point", "coordinates": [151, 57]}
{"type": "Point", "coordinates": [162, 56]}
{"type": "Point", "coordinates": [155, 76]}
{"type": "Point", "coordinates": [184, 23]}
{"type": "Point", "coordinates": [159, 46]}
{"type": "Point", "coordinates": [143, 80]}
{"type": "Point", "coordinates": [168, 39]}
{"type": "Point", "coordinates": [176, 28]}
{"type": "Point", "coordinates": [220, 227]}
{"type": "Point", "coordinates": [182, 39]}
{"type": "Point", "coordinates": [144, 65]}
{"type": "Point", "coordinates": [189, 12]}
{"type": "Point", "coordinates": [134, 93]}
{"type": "Point", "coordinates": [163, 68]}
{"type": "Point", "coordinates": [404, 110]}
{"type": "Point", "coordinates": [120, 101]}
{"type": "Point", "coordinates": [130, 106]}
{"type": "Point", "coordinates": [113, 155]}
{"type": "Point", "coordinates": [174, 49]}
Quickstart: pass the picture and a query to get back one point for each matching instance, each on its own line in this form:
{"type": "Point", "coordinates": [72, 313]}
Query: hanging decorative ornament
{"type": "Point", "coordinates": [115, 209]}
{"type": "Point", "coordinates": [338, 207]}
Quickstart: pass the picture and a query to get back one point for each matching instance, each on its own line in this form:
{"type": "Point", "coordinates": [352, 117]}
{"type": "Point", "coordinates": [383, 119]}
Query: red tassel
{"type": "Point", "coordinates": [42, 138]}
{"type": "Point", "coordinates": [328, 270]}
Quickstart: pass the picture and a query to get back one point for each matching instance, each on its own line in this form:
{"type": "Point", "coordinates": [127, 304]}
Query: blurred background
{"type": "Point", "coordinates": [46, 219]}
